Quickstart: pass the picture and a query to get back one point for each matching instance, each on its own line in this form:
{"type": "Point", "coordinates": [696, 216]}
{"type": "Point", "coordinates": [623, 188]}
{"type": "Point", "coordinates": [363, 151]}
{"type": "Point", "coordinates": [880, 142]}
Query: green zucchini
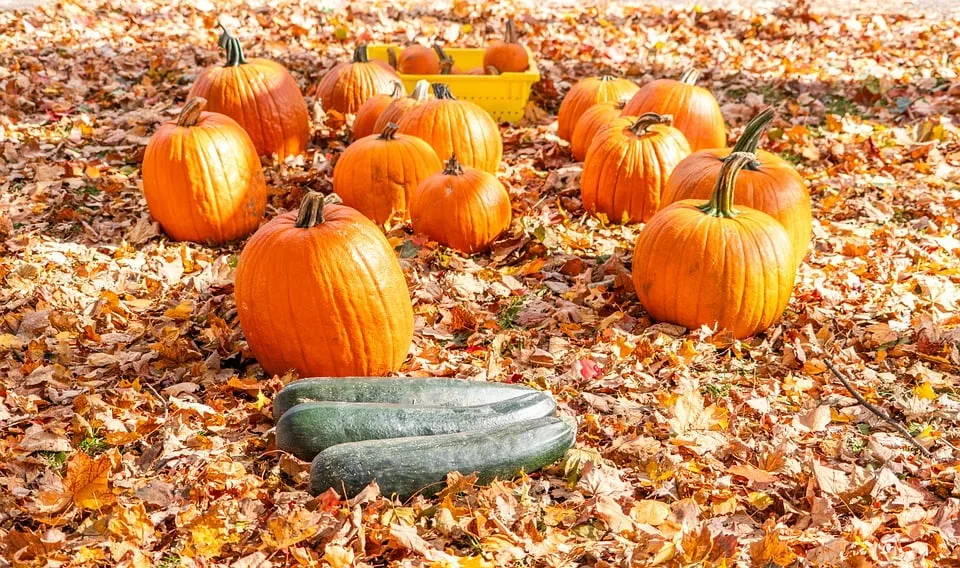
{"type": "Point", "coordinates": [420, 464]}
{"type": "Point", "coordinates": [310, 427]}
{"type": "Point", "coordinates": [396, 390]}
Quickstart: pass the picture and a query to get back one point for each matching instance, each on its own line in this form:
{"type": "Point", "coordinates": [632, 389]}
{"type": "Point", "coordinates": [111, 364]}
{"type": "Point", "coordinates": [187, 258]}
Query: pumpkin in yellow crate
{"type": "Point", "coordinates": [376, 175]}
{"type": "Point", "coordinates": [320, 291]}
{"type": "Point", "coordinates": [416, 59]}
{"type": "Point", "coordinates": [586, 93]}
{"type": "Point", "coordinates": [627, 168]}
{"type": "Point", "coordinates": [202, 178]}
{"type": "Point", "coordinates": [260, 95]}
{"type": "Point", "coordinates": [365, 122]}
{"type": "Point", "coordinates": [348, 85]}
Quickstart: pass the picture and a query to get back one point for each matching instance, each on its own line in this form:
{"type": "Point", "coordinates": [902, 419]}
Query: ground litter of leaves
{"type": "Point", "coordinates": [136, 424]}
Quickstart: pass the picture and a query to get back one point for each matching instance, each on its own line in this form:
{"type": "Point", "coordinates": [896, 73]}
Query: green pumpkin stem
{"type": "Point", "coordinates": [389, 131]}
{"type": "Point", "coordinates": [690, 76]}
{"type": "Point", "coordinates": [442, 91]}
{"type": "Point", "coordinates": [311, 210]}
{"type": "Point", "coordinates": [190, 113]}
{"type": "Point", "coordinates": [754, 129]}
{"type": "Point", "coordinates": [721, 201]}
{"type": "Point", "coordinates": [360, 54]}
{"type": "Point", "coordinates": [648, 119]}
{"type": "Point", "coordinates": [231, 44]}
{"type": "Point", "coordinates": [453, 167]}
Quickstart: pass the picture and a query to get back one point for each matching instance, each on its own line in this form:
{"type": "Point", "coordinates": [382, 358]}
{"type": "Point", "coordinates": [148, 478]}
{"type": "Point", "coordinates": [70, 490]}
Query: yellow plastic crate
{"type": "Point", "coordinates": [503, 96]}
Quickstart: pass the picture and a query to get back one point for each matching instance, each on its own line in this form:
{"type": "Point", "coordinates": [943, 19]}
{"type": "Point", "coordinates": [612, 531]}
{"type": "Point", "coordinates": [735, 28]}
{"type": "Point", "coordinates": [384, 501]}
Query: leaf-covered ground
{"type": "Point", "coordinates": [135, 423]}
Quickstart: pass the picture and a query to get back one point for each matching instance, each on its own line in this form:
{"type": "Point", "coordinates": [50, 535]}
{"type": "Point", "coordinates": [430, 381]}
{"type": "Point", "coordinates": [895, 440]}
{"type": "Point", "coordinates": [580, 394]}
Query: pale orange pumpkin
{"type": "Point", "coordinates": [365, 122]}
{"type": "Point", "coordinates": [586, 93]}
{"type": "Point", "coordinates": [348, 85]}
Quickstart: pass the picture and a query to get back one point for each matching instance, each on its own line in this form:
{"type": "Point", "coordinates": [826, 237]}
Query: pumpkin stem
{"type": "Point", "coordinates": [690, 76]}
{"type": "Point", "coordinates": [622, 103]}
{"type": "Point", "coordinates": [453, 167]}
{"type": "Point", "coordinates": [397, 91]}
{"type": "Point", "coordinates": [311, 210]}
{"type": "Point", "coordinates": [754, 129]}
{"type": "Point", "coordinates": [389, 131]}
{"type": "Point", "coordinates": [421, 90]}
{"type": "Point", "coordinates": [510, 34]}
{"type": "Point", "coordinates": [360, 54]}
{"type": "Point", "coordinates": [190, 113]}
{"type": "Point", "coordinates": [442, 91]}
{"type": "Point", "coordinates": [605, 78]}
{"type": "Point", "coordinates": [232, 46]}
{"type": "Point", "coordinates": [648, 119]}
{"type": "Point", "coordinates": [491, 70]}
{"type": "Point", "coordinates": [721, 201]}
{"type": "Point", "coordinates": [392, 57]}
{"type": "Point", "coordinates": [446, 62]}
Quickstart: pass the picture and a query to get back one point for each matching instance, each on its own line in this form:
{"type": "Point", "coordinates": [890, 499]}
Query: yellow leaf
{"type": "Point", "coordinates": [340, 33]}
{"type": "Point", "coordinates": [649, 512]}
{"type": "Point", "coordinates": [338, 556]}
{"type": "Point", "coordinates": [665, 554]}
{"type": "Point", "coordinates": [133, 524]}
{"type": "Point", "coordinates": [727, 507]}
{"type": "Point", "coordinates": [9, 341]}
{"type": "Point", "coordinates": [466, 28]}
{"type": "Point", "coordinates": [87, 481]}
{"type": "Point", "coordinates": [924, 391]}
{"type": "Point", "coordinates": [759, 500]}
{"type": "Point", "coordinates": [181, 312]}
{"type": "Point", "coordinates": [475, 562]}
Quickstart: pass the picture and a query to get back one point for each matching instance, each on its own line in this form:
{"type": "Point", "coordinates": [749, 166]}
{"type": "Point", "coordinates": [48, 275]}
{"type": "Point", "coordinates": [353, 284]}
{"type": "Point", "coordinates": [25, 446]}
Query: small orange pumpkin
{"type": "Point", "coordinates": [768, 183]}
{"type": "Point", "coordinates": [456, 127]}
{"type": "Point", "coordinates": [694, 109]}
{"type": "Point", "coordinates": [586, 93]}
{"type": "Point", "coordinates": [348, 85]}
{"type": "Point", "coordinates": [320, 291]}
{"type": "Point", "coordinates": [416, 59]}
{"type": "Point", "coordinates": [202, 177]}
{"type": "Point", "coordinates": [507, 55]}
{"type": "Point", "coordinates": [463, 208]}
{"type": "Point", "coordinates": [365, 122]}
{"type": "Point", "coordinates": [591, 122]}
{"type": "Point", "coordinates": [260, 95]}
{"type": "Point", "coordinates": [626, 168]}
{"type": "Point", "coordinates": [709, 263]}
{"type": "Point", "coordinates": [396, 109]}
{"type": "Point", "coordinates": [376, 175]}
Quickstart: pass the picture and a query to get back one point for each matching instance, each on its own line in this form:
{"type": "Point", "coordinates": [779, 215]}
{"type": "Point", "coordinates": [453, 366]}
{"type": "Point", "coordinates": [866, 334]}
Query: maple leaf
{"type": "Point", "coordinates": [87, 481]}
{"type": "Point", "coordinates": [771, 550]}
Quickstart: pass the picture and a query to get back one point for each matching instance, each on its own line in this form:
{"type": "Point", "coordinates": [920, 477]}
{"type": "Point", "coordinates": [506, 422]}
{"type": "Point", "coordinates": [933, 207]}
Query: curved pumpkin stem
{"type": "Point", "coordinates": [421, 90]}
{"type": "Point", "coordinates": [622, 103]}
{"type": "Point", "coordinates": [389, 131]}
{"type": "Point", "coordinates": [446, 62]}
{"type": "Point", "coordinates": [510, 34]}
{"type": "Point", "coordinates": [721, 201]}
{"type": "Point", "coordinates": [754, 129]}
{"type": "Point", "coordinates": [605, 78]}
{"type": "Point", "coordinates": [392, 57]}
{"type": "Point", "coordinates": [453, 167]}
{"type": "Point", "coordinates": [491, 70]}
{"type": "Point", "coordinates": [190, 113]}
{"type": "Point", "coordinates": [648, 119]}
{"type": "Point", "coordinates": [690, 76]}
{"type": "Point", "coordinates": [397, 91]}
{"type": "Point", "coordinates": [311, 210]}
{"type": "Point", "coordinates": [360, 54]}
{"type": "Point", "coordinates": [231, 44]}
{"type": "Point", "coordinates": [442, 91]}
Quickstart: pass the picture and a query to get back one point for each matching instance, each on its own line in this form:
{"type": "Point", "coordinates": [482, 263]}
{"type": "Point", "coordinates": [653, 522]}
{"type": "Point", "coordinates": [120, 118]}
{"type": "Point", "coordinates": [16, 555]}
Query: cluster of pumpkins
{"type": "Point", "coordinates": [725, 228]}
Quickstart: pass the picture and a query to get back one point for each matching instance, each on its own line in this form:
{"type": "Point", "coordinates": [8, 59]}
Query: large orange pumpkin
{"type": "Point", "coordinates": [377, 174]}
{"type": "Point", "coordinates": [626, 168]}
{"type": "Point", "coordinates": [586, 93]}
{"type": "Point", "coordinates": [461, 207]}
{"type": "Point", "coordinates": [260, 95]}
{"type": "Point", "coordinates": [458, 128]}
{"type": "Point", "coordinates": [507, 55]}
{"type": "Point", "coordinates": [709, 263]}
{"type": "Point", "coordinates": [365, 122]}
{"type": "Point", "coordinates": [767, 183]}
{"type": "Point", "coordinates": [348, 85]}
{"type": "Point", "coordinates": [202, 177]}
{"type": "Point", "coordinates": [593, 120]}
{"type": "Point", "coordinates": [694, 109]}
{"type": "Point", "coordinates": [416, 59]}
{"type": "Point", "coordinates": [395, 110]}
{"type": "Point", "coordinates": [320, 291]}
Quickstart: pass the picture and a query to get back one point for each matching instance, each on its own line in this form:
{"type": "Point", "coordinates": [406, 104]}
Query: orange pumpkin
{"type": "Point", "coordinates": [260, 95]}
{"type": "Point", "coordinates": [593, 120]}
{"type": "Point", "coordinates": [507, 55]}
{"type": "Point", "coordinates": [695, 112]}
{"type": "Point", "coordinates": [395, 110]}
{"type": "Point", "coordinates": [376, 175]}
{"type": "Point", "coordinates": [320, 291]}
{"type": "Point", "coordinates": [587, 93]}
{"type": "Point", "coordinates": [458, 128]}
{"type": "Point", "coordinates": [461, 207]}
{"type": "Point", "coordinates": [202, 178]}
{"type": "Point", "coordinates": [416, 59]}
{"type": "Point", "coordinates": [365, 122]}
{"type": "Point", "coordinates": [767, 183]}
{"type": "Point", "coordinates": [348, 85]}
{"type": "Point", "coordinates": [626, 168]}
{"type": "Point", "coordinates": [708, 263]}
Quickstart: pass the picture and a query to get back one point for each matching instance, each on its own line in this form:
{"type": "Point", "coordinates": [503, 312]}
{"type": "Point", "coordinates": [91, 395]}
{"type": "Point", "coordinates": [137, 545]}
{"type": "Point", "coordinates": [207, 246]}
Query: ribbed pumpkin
{"type": "Point", "coordinates": [202, 177]}
{"type": "Point", "coordinates": [694, 109]}
{"type": "Point", "coordinates": [461, 207]}
{"type": "Point", "coordinates": [260, 95]}
{"type": "Point", "coordinates": [395, 110]}
{"type": "Point", "coordinates": [767, 183]}
{"type": "Point", "coordinates": [416, 59]}
{"type": "Point", "coordinates": [348, 85]}
{"type": "Point", "coordinates": [593, 120]}
{"type": "Point", "coordinates": [708, 263]}
{"type": "Point", "coordinates": [376, 175]}
{"type": "Point", "coordinates": [365, 122]}
{"type": "Point", "coordinates": [507, 55]}
{"type": "Point", "coordinates": [320, 291]}
{"type": "Point", "coordinates": [626, 168]}
{"type": "Point", "coordinates": [586, 93]}
{"type": "Point", "coordinates": [458, 128]}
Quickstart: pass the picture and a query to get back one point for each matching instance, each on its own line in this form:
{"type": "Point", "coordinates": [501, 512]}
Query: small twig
{"type": "Point", "coordinates": [880, 413]}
